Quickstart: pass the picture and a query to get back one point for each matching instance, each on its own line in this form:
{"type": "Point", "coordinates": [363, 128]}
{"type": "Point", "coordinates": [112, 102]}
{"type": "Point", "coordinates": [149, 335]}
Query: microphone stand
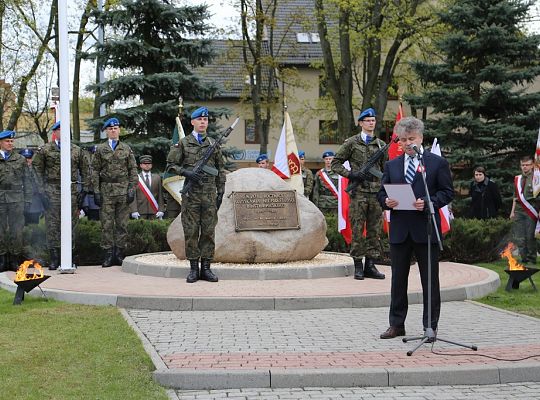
{"type": "Point", "coordinates": [429, 334]}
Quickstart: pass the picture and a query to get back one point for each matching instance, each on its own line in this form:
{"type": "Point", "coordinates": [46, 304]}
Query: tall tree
{"type": "Point", "coordinates": [484, 112]}
{"type": "Point", "coordinates": [152, 46]}
{"type": "Point", "coordinates": [363, 43]}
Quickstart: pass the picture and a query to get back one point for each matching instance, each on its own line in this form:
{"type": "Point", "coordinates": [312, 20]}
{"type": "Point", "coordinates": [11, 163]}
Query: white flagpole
{"type": "Point", "coordinates": [66, 266]}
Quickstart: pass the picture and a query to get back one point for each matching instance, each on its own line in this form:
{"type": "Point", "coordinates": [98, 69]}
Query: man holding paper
{"type": "Point", "coordinates": [408, 228]}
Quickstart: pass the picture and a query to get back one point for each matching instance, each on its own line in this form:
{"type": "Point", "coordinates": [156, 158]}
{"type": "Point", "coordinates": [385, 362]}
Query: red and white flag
{"type": "Point", "coordinates": [344, 224]}
{"type": "Point", "coordinates": [395, 150]}
{"type": "Point", "coordinates": [287, 162]}
{"type": "Point", "coordinates": [446, 215]}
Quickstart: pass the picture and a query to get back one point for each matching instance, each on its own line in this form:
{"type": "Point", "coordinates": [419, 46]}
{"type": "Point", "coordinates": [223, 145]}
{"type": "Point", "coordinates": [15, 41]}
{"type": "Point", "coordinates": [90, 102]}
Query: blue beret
{"type": "Point", "coordinates": [302, 154]}
{"type": "Point", "coordinates": [328, 153]}
{"type": "Point", "coordinates": [262, 157]}
{"type": "Point", "coordinates": [199, 112]}
{"type": "Point", "coordinates": [111, 122]}
{"type": "Point", "coordinates": [56, 126]}
{"type": "Point", "coordinates": [368, 112]}
{"type": "Point", "coordinates": [7, 135]}
{"type": "Point", "coordinates": [27, 153]}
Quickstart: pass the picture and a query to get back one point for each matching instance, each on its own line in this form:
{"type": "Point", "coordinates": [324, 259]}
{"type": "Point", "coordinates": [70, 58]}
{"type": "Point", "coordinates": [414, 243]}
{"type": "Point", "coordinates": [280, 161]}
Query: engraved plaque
{"type": "Point", "coordinates": [265, 210]}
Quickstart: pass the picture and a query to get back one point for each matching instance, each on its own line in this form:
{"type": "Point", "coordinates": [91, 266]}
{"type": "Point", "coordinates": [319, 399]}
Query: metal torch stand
{"type": "Point", "coordinates": [429, 334]}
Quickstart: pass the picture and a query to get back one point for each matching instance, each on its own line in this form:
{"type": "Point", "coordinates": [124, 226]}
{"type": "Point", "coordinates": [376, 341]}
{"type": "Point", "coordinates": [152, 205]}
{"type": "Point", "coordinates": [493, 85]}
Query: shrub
{"type": "Point", "coordinates": [472, 240]}
{"type": "Point", "coordinates": [144, 236]}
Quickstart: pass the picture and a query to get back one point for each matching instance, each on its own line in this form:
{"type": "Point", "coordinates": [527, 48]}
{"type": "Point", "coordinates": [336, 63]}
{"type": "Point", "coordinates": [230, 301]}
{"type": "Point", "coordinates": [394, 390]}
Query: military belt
{"type": "Point", "coordinates": [111, 180]}
{"type": "Point", "coordinates": [9, 186]}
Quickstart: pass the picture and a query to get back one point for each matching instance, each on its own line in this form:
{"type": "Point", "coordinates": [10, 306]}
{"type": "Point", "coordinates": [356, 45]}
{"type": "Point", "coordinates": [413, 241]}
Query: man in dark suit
{"type": "Point", "coordinates": [408, 228]}
{"type": "Point", "coordinates": [148, 202]}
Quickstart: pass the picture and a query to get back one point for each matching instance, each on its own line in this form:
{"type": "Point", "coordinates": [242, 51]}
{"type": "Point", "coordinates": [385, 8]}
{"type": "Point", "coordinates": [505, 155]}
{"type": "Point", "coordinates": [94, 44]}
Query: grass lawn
{"type": "Point", "coordinates": [54, 350]}
{"type": "Point", "coordinates": [523, 300]}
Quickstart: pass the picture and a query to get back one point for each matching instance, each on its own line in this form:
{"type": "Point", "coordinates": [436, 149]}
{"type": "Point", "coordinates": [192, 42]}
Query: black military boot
{"type": "Point", "coordinates": [194, 272]}
{"type": "Point", "coordinates": [118, 255]}
{"type": "Point", "coordinates": [370, 270]}
{"type": "Point", "coordinates": [358, 269]}
{"type": "Point", "coordinates": [55, 259]}
{"type": "Point", "coordinates": [206, 272]}
{"type": "Point", "coordinates": [109, 259]}
{"type": "Point", "coordinates": [3, 263]}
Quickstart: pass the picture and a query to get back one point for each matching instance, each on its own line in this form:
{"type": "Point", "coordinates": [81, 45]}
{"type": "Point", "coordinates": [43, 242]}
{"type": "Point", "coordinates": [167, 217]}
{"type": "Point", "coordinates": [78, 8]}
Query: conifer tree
{"type": "Point", "coordinates": [484, 111]}
{"type": "Point", "coordinates": [153, 48]}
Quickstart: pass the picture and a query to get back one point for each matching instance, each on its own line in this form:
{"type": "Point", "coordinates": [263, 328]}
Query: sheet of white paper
{"type": "Point", "coordinates": [403, 193]}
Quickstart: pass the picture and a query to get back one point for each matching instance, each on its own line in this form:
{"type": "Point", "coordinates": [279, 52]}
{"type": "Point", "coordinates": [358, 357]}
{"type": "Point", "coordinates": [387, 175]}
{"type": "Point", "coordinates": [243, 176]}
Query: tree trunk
{"type": "Point", "coordinates": [91, 4]}
{"type": "Point", "coordinates": [23, 88]}
{"type": "Point", "coordinates": [339, 82]}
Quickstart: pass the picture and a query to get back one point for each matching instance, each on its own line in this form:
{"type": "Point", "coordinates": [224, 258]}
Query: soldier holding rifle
{"type": "Point", "coordinates": [364, 207]}
{"type": "Point", "coordinates": [202, 193]}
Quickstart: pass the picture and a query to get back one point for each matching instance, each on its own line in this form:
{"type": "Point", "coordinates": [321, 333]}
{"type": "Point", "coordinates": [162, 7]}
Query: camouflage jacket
{"type": "Point", "coordinates": [114, 173]}
{"type": "Point", "coordinates": [46, 163]}
{"type": "Point", "coordinates": [357, 152]}
{"type": "Point", "coordinates": [307, 177]}
{"type": "Point", "coordinates": [322, 196]}
{"type": "Point", "coordinates": [185, 155]}
{"type": "Point", "coordinates": [15, 183]}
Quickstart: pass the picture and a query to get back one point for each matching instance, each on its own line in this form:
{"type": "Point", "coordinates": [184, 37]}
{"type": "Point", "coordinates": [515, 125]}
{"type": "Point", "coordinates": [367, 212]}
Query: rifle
{"type": "Point", "coordinates": [201, 166]}
{"type": "Point", "coordinates": [367, 168]}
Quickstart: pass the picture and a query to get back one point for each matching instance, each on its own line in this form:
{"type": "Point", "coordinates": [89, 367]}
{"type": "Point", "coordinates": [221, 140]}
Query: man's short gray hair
{"type": "Point", "coordinates": [409, 125]}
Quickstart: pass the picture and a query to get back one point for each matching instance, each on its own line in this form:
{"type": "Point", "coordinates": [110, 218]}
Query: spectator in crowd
{"type": "Point", "coordinates": [485, 196]}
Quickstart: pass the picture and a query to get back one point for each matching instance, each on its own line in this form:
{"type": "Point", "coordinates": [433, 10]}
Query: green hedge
{"type": "Point", "coordinates": [144, 237]}
{"type": "Point", "coordinates": [469, 241]}
{"type": "Point", "coordinates": [472, 240]}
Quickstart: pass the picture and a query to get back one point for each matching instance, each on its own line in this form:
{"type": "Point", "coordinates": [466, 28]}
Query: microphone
{"type": "Point", "coordinates": [416, 149]}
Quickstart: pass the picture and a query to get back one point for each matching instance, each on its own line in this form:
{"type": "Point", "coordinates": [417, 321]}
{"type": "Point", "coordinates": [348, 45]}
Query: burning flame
{"type": "Point", "coordinates": [513, 265]}
{"type": "Point", "coordinates": [22, 275]}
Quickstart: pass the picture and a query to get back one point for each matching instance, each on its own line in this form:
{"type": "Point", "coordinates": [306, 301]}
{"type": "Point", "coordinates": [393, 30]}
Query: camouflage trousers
{"type": "Point", "coordinates": [199, 219]}
{"type": "Point", "coordinates": [52, 216]}
{"type": "Point", "coordinates": [524, 228]}
{"type": "Point", "coordinates": [114, 216]}
{"type": "Point", "coordinates": [364, 208]}
{"type": "Point", "coordinates": [11, 228]}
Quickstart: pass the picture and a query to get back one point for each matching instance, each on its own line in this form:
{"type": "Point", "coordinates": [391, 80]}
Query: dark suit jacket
{"type": "Point", "coordinates": [141, 203]}
{"type": "Point", "coordinates": [414, 223]}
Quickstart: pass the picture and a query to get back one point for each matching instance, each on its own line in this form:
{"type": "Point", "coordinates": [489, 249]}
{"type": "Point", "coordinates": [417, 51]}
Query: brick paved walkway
{"type": "Point", "coordinates": [340, 339]}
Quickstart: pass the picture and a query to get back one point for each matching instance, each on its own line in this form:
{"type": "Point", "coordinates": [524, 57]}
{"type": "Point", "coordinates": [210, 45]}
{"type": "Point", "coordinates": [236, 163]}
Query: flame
{"type": "Point", "coordinates": [513, 265]}
{"type": "Point", "coordinates": [22, 275]}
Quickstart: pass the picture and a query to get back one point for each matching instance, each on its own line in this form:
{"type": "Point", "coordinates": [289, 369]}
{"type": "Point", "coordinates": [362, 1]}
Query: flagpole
{"type": "Point", "coordinates": [66, 265]}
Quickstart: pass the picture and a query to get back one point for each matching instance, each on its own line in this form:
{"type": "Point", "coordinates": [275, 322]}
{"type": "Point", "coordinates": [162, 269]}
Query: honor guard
{"type": "Point", "coordinates": [263, 161]}
{"type": "Point", "coordinates": [325, 187]}
{"type": "Point", "coordinates": [148, 202]}
{"type": "Point", "coordinates": [307, 175]}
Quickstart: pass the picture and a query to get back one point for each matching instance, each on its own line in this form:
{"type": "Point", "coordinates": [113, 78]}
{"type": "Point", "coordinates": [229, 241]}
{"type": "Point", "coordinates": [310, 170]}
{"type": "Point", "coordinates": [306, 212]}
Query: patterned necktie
{"type": "Point", "coordinates": [113, 144]}
{"type": "Point", "coordinates": [199, 138]}
{"type": "Point", "coordinates": [411, 171]}
{"type": "Point", "coordinates": [58, 144]}
{"type": "Point", "coordinates": [6, 155]}
{"type": "Point", "coordinates": [368, 139]}
{"type": "Point", "coordinates": [147, 180]}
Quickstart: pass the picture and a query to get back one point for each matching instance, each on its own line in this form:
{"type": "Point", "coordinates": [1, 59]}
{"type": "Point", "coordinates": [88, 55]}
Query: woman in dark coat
{"type": "Point", "coordinates": [485, 196]}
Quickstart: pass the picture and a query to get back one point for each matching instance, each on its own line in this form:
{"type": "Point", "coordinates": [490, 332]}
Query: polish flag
{"type": "Point", "coordinates": [287, 163]}
{"type": "Point", "coordinates": [344, 224]}
{"type": "Point", "coordinates": [395, 150]}
{"type": "Point", "coordinates": [445, 214]}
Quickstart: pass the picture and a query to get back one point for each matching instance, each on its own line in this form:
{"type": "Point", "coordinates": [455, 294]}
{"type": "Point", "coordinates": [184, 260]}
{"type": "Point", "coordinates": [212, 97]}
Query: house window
{"type": "Point", "coordinates": [315, 37]}
{"type": "Point", "coordinates": [302, 37]}
{"type": "Point", "coordinates": [250, 135]}
{"type": "Point", "coordinates": [328, 133]}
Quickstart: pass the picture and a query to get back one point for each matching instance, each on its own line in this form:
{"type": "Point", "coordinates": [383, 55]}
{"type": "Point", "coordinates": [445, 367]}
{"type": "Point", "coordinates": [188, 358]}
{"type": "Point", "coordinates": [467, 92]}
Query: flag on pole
{"type": "Point", "coordinates": [287, 163]}
{"type": "Point", "coordinates": [395, 150]}
{"type": "Point", "coordinates": [444, 212]}
{"type": "Point", "coordinates": [344, 224]}
{"type": "Point", "coordinates": [536, 176]}
{"type": "Point", "coordinates": [174, 183]}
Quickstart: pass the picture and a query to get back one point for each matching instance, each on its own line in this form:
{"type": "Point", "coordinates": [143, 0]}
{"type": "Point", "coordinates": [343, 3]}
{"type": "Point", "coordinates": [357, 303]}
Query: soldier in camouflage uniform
{"type": "Point", "coordinates": [47, 165]}
{"type": "Point", "coordinates": [114, 179]}
{"type": "Point", "coordinates": [15, 196]}
{"type": "Point", "coordinates": [325, 186]}
{"type": "Point", "coordinates": [364, 207]}
{"type": "Point", "coordinates": [200, 205]}
{"type": "Point", "coordinates": [307, 175]}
